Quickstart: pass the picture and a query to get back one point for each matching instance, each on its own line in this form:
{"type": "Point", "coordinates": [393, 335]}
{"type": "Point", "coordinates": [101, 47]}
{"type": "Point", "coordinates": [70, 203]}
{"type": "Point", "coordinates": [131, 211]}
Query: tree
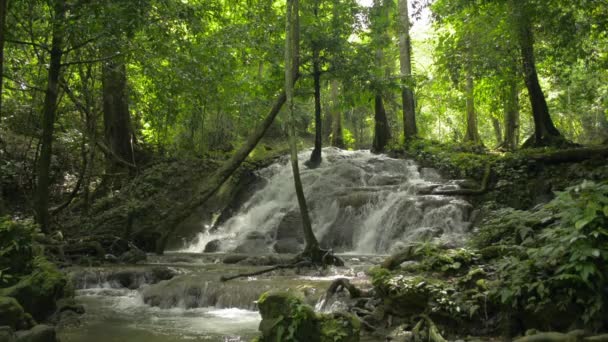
{"type": "Point", "coordinates": [48, 115]}
{"type": "Point", "coordinates": [315, 157]}
{"type": "Point", "coordinates": [545, 132]}
{"type": "Point", "coordinates": [405, 63]}
{"type": "Point", "coordinates": [3, 9]}
{"type": "Point", "coordinates": [379, 21]}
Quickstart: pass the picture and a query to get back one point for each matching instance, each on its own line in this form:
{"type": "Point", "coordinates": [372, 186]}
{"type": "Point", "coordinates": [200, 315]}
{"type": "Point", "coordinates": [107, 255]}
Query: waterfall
{"type": "Point", "coordinates": [359, 202]}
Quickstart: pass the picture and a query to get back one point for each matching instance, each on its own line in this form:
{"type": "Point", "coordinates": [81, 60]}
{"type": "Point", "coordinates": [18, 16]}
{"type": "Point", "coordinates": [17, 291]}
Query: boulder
{"type": "Point", "coordinates": [38, 292]}
{"type": "Point", "coordinates": [286, 318]}
{"type": "Point", "coordinates": [290, 227]}
{"type": "Point", "coordinates": [132, 256]}
{"type": "Point", "coordinates": [39, 333]}
{"type": "Point", "coordinates": [11, 313]}
{"type": "Point", "coordinates": [289, 246]}
{"type": "Point", "coordinates": [254, 243]}
{"type": "Point", "coordinates": [213, 246]}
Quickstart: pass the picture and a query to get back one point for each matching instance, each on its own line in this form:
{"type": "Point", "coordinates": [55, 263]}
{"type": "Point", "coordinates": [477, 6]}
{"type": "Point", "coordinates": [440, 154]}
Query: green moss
{"type": "Point", "coordinates": [11, 313]}
{"type": "Point", "coordinates": [39, 291]}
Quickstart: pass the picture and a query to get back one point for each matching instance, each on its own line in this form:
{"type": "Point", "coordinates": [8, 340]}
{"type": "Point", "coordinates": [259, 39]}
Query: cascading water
{"type": "Point", "coordinates": [359, 202]}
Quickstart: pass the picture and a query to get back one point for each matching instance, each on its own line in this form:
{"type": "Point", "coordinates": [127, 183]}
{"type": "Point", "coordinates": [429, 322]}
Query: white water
{"type": "Point", "coordinates": [359, 202]}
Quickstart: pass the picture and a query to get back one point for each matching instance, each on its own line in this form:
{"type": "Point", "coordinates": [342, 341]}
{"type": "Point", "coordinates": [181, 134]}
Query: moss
{"type": "Point", "coordinates": [286, 318]}
{"type": "Point", "coordinates": [11, 313]}
{"type": "Point", "coordinates": [39, 291]}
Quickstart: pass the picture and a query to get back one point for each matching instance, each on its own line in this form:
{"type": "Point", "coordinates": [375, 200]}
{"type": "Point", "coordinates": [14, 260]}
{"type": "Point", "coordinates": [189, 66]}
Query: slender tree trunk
{"type": "Point", "coordinates": [315, 157]}
{"type": "Point", "coordinates": [48, 119]}
{"type": "Point", "coordinates": [291, 64]}
{"type": "Point", "coordinates": [511, 116]}
{"type": "Point", "coordinates": [381, 129]}
{"type": "Point", "coordinates": [497, 131]}
{"type": "Point", "coordinates": [337, 137]}
{"type": "Point", "coordinates": [118, 129]}
{"type": "Point", "coordinates": [545, 132]}
{"type": "Point", "coordinates": [3, 9]}
{"type": "Point", "coordinates": [472, 133]}
{"type": "Point", "coordinates": [405, 64]}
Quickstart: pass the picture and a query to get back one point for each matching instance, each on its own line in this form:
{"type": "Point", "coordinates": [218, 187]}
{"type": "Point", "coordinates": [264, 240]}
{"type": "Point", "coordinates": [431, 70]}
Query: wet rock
{"type": "Point", "coordinates": [39, 333]}
{"type": "Point", "coordinates": [255, 243]}
{"type": "Point", "coordinates": [132, 256]}
{"type": "Point", "coordinates": [212, 246]}
{"type": "Point", "coordinates": [11, 313]}
{"type": "Point", "coordinates": [400, 334]}
{"type": "Point", "coordinates": [291, 246]}
{"type": "Point", "coordinates": [291, 227]}
{"type": "Point", "coordinates": [131, 278]}
{"type": "Point", "coordinates": [234, 258]}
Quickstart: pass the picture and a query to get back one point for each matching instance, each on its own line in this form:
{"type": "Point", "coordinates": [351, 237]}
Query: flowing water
{"type": "Point", "coordinates": [361, 204]}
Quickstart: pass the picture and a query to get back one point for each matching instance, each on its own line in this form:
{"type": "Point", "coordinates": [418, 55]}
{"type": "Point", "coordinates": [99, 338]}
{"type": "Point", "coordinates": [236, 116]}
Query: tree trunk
{"type": "Point", "coordinates": [48, 119]}
{"type": "Point", "coordinates": [511, 106]}
{"type": "Point", "coordinates": [382, 132]}
{"type": "Point", "coordinates": [337, 137]}
{"type": "Point", "coordinates": [472, 133]}
{"type": "Point", "coordinates": [291, 64]}
{"type": "Point", "coordinates": [118, 129]}
{"type": "Point", "coordinates": [3, 9]}
{"type": "Point", "coordinates": [405, 64]}
{"type": "Point", "coordinates": [545, 132]}
{"type": "Point", "coordinates": [497, 131]}
{"type": "Point", "coordinates": [315, 157]}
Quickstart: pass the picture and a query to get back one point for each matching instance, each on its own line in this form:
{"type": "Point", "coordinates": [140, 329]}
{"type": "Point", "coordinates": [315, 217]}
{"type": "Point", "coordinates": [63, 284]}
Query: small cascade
{"type": "Point", "coordinates": [359, 203]}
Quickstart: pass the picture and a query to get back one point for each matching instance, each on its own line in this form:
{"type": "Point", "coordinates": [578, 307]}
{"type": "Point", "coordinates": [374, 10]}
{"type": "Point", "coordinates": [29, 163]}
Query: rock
{"type": "Point", "coordinates": [11, 313]}
{"type": "Point", "coordinates": [212, 246]}
{"type": "Point", "coordinates": [400, 334]}
{"type": "Point", "coordinates": [132, 256]}
{"type": "Point", "coordinates": [290, 245]}
{"type": "Point", "coordinates": [38, 292]}
{"type": "Point", "coordinates": [284, 313]}
{"type": "Point", "coordinates": [39, 333]}
{"type": "Point", "coordinates": [234, 258]}
{"type": "Point", "coordinates": [135, 278]}
{"type": "Point", "coordinates": [598, 338]}
{"type": "Point", "coordinates": [69, 304]}
{"type": "Point", "coordinates": [7, 334]}
{"type": "Point", "coordinates": [252, 246]}
{"type": "Point", "coordinates": [69, 319]}
{"type": "Point", "coordinates": [290, 227]}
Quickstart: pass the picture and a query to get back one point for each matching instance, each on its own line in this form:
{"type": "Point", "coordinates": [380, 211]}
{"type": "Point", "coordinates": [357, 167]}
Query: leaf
{"type": "Point", "coordinates": [583, 222]}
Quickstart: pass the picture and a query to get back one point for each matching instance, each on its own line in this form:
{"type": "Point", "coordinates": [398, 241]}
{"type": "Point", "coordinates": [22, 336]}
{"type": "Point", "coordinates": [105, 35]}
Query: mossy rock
{"type": "Point", "coordinates": [11, 313]}
{"type": "Point", "coordinates": [38, 292]}
{"type": "Point", "coordinates": [286, 318]}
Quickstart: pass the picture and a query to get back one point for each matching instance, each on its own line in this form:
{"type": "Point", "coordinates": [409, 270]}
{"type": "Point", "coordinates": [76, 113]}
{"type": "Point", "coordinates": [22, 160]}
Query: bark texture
{"type": "Point", "coordinates": [315, 157]}
{"type": "Point", "coordinates": [118, 128]}
{"type": "Point", "coordinates": [337, 137]}
{"type": "Point", "coordinates": [48, 117]}
{"type": "Point", "coordinates": [472, 133]}
{"type": "Point", "coordinates": [511, 107]}
{"type": "Point", "coordinates": [382, 133]}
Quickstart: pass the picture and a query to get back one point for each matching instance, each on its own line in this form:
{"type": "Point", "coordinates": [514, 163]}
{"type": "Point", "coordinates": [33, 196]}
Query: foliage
{"type": "Point", "coordinates": [564, 266]}
{"type": "Point", "coordinates": [16, 248]}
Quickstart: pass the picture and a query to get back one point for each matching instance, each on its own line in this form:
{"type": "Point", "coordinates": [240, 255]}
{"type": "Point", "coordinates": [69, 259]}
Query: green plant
{"type": "Point", "coordinates": [565, 269]}
{"type": "Point", "coordinates": [16, 241]}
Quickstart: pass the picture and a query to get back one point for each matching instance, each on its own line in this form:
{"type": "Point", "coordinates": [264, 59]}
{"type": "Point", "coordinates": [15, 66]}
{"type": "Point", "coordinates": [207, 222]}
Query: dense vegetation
{"type": "Point", "coordinates": [109, 108]}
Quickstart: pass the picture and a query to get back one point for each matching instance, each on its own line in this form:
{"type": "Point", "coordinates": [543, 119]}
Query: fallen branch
{"type": "Point", "coordinates": [433, 332]}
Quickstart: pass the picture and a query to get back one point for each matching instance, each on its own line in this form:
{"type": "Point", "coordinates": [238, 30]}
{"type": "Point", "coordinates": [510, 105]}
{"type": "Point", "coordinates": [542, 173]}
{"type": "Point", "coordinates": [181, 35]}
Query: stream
{"type": "Point", "coordinates": [363, 206]}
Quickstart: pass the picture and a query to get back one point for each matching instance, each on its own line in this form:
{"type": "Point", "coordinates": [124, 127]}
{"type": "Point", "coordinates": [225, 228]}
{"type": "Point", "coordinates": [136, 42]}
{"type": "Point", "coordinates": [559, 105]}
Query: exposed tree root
{"type": "Point", "coordinates": [343, 283]}
{"type": "Point", "coordinates": [463, 192]}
